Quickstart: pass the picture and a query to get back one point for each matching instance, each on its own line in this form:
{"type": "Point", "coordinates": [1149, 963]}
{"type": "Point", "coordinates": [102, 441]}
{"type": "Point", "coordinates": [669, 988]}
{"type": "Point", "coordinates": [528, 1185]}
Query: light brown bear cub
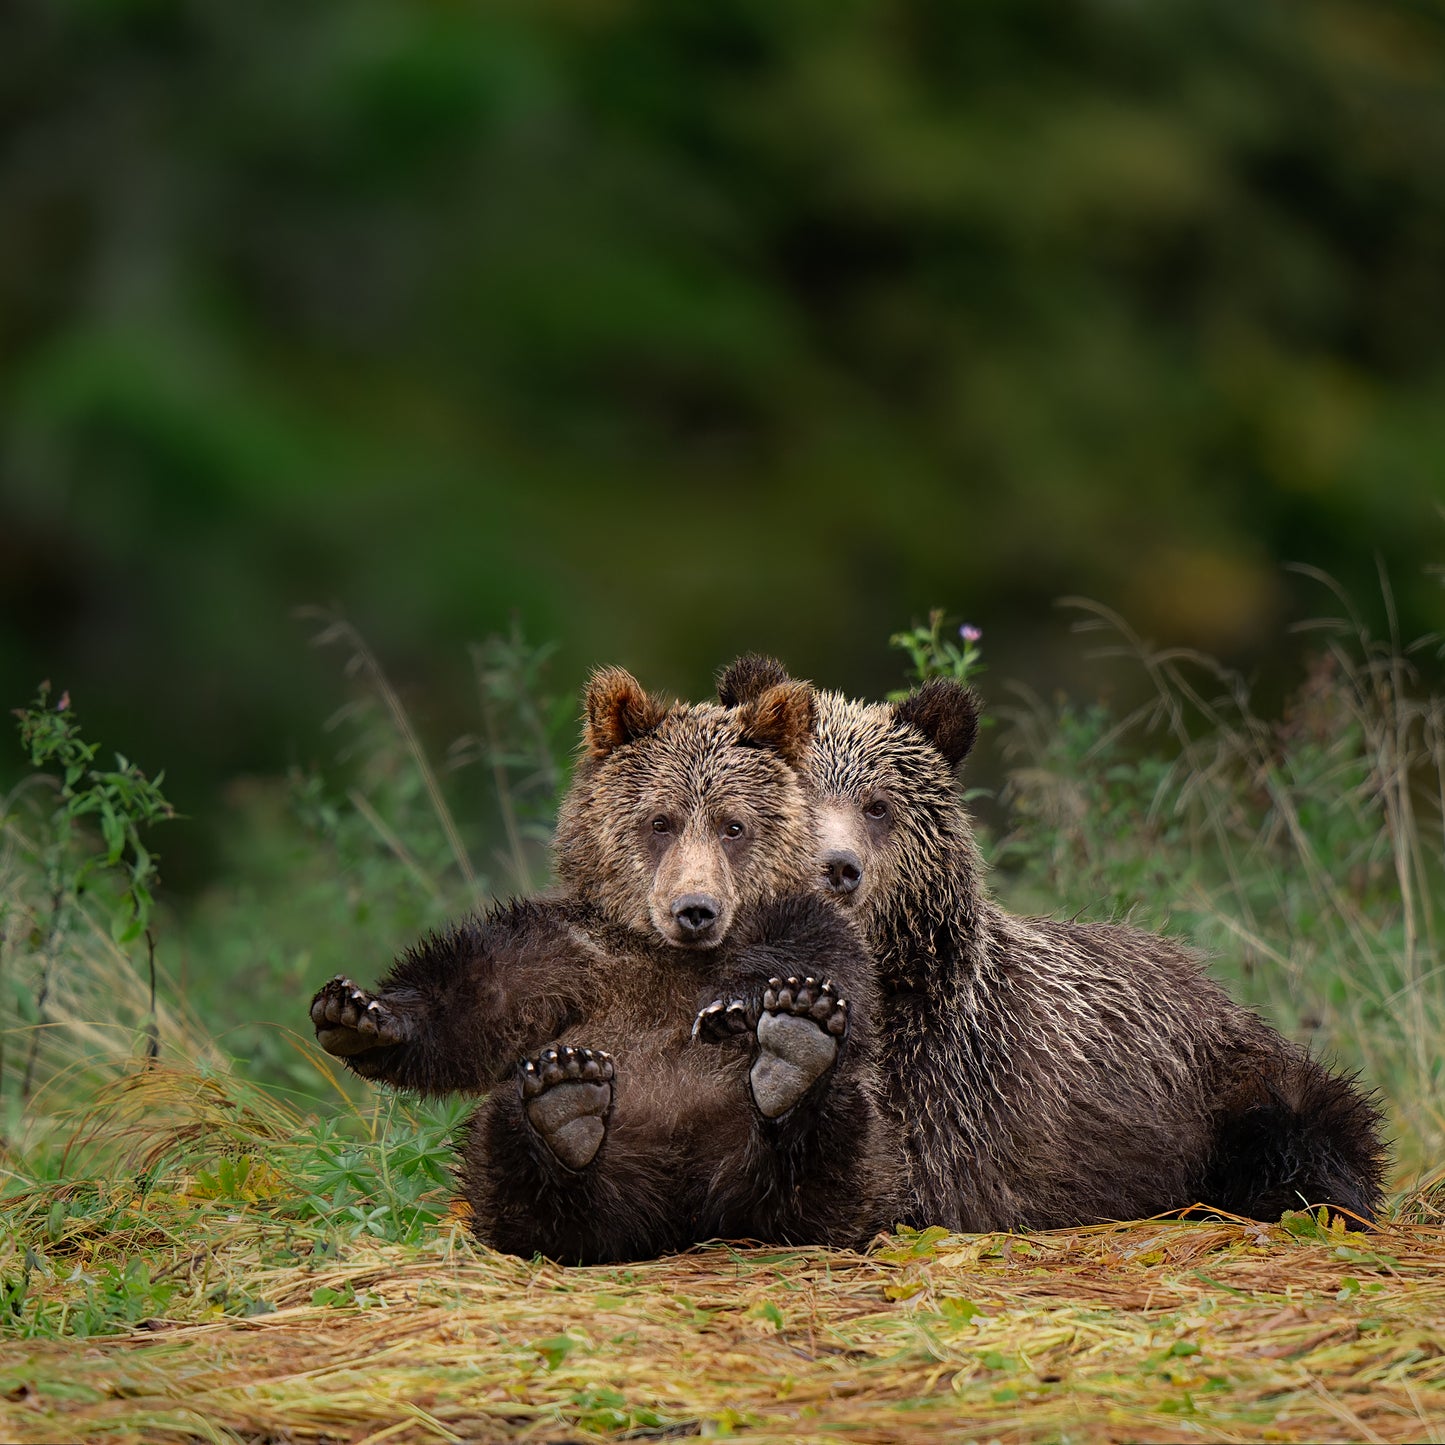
{"type": "Point", "coordinates": [1041, 1073]}
{"type": "Point", "coordinates": [677, 1044]}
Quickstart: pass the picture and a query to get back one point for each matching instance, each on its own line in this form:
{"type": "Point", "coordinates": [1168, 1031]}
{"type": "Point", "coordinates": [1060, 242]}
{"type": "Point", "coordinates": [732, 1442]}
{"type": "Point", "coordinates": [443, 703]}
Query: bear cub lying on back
{"type": "Point", "coordinates": [677, 1046]}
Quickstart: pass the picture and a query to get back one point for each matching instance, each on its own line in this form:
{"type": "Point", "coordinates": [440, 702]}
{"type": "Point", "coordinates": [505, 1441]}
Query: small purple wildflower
{"type": "Point", "coordinates": [969, 632]}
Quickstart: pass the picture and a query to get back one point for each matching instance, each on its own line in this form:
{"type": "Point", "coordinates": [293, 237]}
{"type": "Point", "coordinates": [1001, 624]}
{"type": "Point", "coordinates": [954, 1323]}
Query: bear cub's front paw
{"type": "Point", "coordinates": [802, 1024]}
{"type": "Point", "coordinates": [567, 1093]}
{"type": "Point", "coordinates": [350, 1021]}
{"type": "Point", "coordinates": [721, 1021]}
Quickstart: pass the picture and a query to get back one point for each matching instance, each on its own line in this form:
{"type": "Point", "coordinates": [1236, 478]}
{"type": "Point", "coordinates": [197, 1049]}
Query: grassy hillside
{"type": "Point", "coordinates": [205, 1233]}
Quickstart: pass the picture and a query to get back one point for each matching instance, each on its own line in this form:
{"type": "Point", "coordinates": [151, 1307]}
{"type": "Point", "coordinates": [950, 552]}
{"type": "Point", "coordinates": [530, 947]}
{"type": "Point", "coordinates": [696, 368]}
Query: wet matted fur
{"type": "Point", "coordinates": [1046, 1074]}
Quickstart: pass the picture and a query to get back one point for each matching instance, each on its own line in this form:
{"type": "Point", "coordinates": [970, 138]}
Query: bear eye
{"type": "Point", "coordinates": [733, 829]}
{"type": "Point", "coordinates": [876, 809]}
{"type": "Point", "coordinates": [661, 825]}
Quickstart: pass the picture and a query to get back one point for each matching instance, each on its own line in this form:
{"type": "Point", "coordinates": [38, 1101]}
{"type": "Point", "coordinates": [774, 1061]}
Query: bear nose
{"type": "Point", "coordinates": [843, 871]}
{"type": "Point", "coordinates": [695, 913]}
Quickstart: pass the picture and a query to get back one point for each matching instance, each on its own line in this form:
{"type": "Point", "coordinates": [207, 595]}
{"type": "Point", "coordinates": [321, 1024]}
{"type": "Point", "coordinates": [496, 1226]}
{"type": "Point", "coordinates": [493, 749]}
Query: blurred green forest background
{"type": "Point", "coordinates": [679, 329]}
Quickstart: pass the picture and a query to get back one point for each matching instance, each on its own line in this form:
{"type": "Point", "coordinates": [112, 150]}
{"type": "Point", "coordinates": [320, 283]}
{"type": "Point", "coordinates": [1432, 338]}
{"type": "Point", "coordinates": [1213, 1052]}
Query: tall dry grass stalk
{"type": "Point", "coordinates": [101, 1020]}
{"type": "Point", "coordinates": [1305, 854]}
{"type": "Point", "coordinates": [362, 662]}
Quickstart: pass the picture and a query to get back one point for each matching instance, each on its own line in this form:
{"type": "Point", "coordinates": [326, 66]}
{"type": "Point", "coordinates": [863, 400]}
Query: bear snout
{"type": "Point", "coordinates": [696, 916]}
{"type": "Point", "coordinates": [842, 871]}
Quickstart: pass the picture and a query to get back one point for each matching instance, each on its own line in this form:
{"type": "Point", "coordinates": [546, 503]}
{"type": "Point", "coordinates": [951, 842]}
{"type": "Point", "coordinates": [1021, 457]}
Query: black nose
{"type": "Point", "coordinates": [842, 870]}
{"type": "Point", "coordinates": [695, 913]}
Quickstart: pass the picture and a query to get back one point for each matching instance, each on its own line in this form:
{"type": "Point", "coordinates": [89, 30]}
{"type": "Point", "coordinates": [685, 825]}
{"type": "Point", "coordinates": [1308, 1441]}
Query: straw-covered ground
{"type": "Point", "coordinates": [208, 1263]}
{"type": "Point", "coordinates": [1147, 1331]}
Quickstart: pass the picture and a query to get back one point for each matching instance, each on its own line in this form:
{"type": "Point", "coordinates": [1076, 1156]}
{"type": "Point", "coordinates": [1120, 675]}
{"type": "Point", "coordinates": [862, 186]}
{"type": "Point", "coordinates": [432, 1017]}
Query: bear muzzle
{"type": "Point", "coordinates": [842, 872]}
{"type": "Point", "coordinates": [695, 920]}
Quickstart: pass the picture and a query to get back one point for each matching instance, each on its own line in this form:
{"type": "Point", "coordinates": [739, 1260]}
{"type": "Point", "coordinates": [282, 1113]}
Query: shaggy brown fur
{"type": "Point", "coordinates": [1046, 1074]}
{"type": "Point", "coordinates": [655, 1079]}
{"type": "Point", "coordinates": [686, 803]}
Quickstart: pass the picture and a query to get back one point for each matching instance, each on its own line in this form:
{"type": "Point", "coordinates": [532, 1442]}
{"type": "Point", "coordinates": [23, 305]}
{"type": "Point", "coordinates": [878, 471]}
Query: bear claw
{"type": "Point", "coordinates": [567, 1095]}
{"type": "Point", "coordinates": [802, 1024]}
{"type": "Point", "coordinates": [807, 998]}
{"type": "Point", "coordinates": [348, 1020]}
{"type": "Point", "coordinates": [799, 1027]}
{"type": "Point", "coordinates": [721, 1020]}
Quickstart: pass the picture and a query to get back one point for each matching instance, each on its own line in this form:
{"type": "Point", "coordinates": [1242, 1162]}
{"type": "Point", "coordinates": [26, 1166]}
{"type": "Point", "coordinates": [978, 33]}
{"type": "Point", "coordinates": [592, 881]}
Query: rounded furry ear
{"type": "Point", "coordinates": [781, 718]}
{"type": "Point", "coordinates": [617, 711]}
{"type": "Point", "coordinates": [748, 678]}
{"type": "Point", "coordinates": [946, 713]}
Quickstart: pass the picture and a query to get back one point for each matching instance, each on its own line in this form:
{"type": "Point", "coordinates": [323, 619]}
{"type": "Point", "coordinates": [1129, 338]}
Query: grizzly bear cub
{"type": "Point", "coordinates": [1042, 1073]}
{"type": "Point", "coordinates": [677, 1045]}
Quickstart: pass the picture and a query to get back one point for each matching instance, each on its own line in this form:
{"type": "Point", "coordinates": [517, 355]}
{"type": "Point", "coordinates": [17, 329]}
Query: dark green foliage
{"type": "Point", "coordinates": [692, 329]}
{"type": "Point", "coordinates": [394, 1186]}
{"type": "Point", "coordinates": [343, 866]}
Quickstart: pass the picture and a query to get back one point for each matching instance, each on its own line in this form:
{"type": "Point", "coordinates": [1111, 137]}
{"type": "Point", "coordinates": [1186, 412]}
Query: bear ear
{"type": "Point", "coordinates": [748, 678]}
{"type": "Point", "coordinates": [946, 713]}
{"type": "Point", "coordinates": [617, 711]}
{"type": "Point", "coordinates": [781, 717]}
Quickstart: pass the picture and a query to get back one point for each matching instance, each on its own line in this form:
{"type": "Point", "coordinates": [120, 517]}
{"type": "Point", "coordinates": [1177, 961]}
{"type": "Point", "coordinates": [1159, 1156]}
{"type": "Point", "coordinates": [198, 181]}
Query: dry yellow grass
{"type": "Point", "coordinates": [1158, 1331]}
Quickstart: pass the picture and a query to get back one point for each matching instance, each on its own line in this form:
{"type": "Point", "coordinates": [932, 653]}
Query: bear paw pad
{"type": "Point", "coordinates": [802, 1023]}
{"type": "Point", "coordinates": [567, 1095]}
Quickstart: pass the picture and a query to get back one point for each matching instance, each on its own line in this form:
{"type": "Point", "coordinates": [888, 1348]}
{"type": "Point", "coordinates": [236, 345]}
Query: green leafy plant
{"type": "Point", "coordinates": [121, 800]}
{"type": "Point", "coordinates": [117, 803]}
{"type": "Point", "coordinates": [933, 652]}
{"type": "Point", "coordinates": [394, 1185]}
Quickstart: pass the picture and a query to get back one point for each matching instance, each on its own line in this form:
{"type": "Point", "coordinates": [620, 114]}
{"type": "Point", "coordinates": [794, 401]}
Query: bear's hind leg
{"type": "Point", "coordinates": [814, 1167]}
{"type": "Point", "coordinates": [567, 1098]}
{"type": "Point", "coordinates": [550, 1166]}
{"type": "Point", "coordinates": [1305, 1138]}
{"type": "Point", "coordinates": [799, 1029]}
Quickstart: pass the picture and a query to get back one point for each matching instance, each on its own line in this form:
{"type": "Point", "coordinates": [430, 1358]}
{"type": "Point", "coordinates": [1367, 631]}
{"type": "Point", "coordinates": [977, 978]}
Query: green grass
{"type": "Point", "coordinates": [206, 1233]}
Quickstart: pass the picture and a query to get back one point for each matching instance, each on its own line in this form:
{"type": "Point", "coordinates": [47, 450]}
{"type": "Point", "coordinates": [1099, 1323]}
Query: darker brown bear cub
{"type": "Point", "coordinates": [677, 1045]}
{"type": "Point", "coordinates": [1040, 1073]}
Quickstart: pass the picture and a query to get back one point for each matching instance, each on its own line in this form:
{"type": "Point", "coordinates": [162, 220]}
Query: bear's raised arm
{"type": "Point", "coordinates": [459, 1008]}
